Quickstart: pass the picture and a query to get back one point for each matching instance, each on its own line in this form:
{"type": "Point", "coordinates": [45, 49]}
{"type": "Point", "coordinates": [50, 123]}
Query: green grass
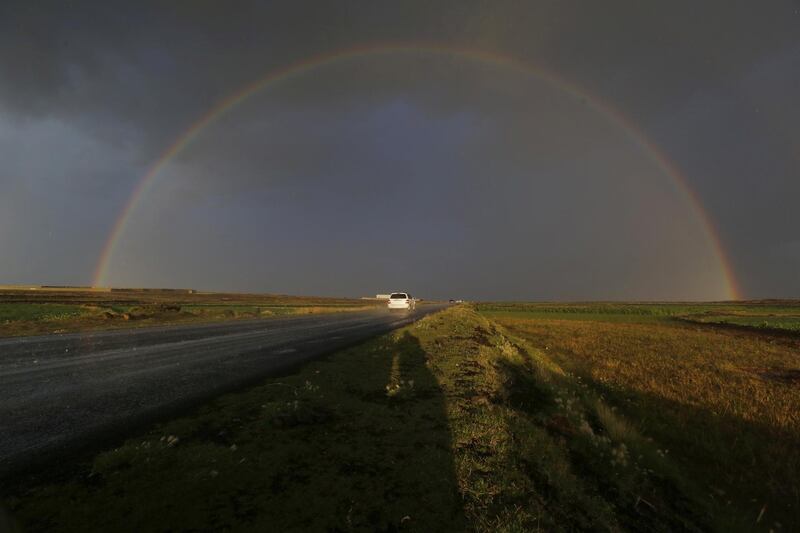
{"type": "Point", "coordinates": [754, 315]}
{"type": "Point", "coordinates": [647, 309]}
{"type": "Point", "coordinates": [572, 315]}
{"type": "Point", "coordinates": [32, 312]}
{"type": "Point", "coordinates": [762, 321]}
{"type": "Point", "coordinates": [450, 424]}
{"type": "Point", "coordinates": [723, 404]}
{"type": "Point", "coordinates": [42, 312]}
{"type": "Point", "coordinates": [644, 309]}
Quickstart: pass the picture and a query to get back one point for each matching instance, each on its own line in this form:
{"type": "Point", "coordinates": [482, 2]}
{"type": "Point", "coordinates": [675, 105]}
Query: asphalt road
{"type": "Point", "coordinates": [61, 393]}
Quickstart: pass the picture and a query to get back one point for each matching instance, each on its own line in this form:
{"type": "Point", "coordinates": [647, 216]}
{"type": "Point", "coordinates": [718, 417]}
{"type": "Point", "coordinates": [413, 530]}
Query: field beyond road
{"type": "Point", "coordinates": [490, 418]}
{"type": "Point", "coordinates": [717, 386]}
{"type": "Point", "coordinates": [44, 311]}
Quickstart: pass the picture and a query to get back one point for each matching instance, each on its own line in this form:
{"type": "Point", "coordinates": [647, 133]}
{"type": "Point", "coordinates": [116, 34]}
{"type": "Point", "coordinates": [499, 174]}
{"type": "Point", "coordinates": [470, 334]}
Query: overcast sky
{"type": "Point", "coordinates": [436, 173]}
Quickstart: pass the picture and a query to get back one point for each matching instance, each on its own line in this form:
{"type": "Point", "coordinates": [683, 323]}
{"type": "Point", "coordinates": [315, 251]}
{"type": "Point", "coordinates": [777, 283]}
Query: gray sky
{"type": "Point", "coordinates": [434, 173]}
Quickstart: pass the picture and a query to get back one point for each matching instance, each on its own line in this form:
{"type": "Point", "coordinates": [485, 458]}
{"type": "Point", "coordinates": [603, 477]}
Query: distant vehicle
{"type": "Point", "coordinates": [452, 301]}
{"type": "Point", "coordinates": [401, 300]}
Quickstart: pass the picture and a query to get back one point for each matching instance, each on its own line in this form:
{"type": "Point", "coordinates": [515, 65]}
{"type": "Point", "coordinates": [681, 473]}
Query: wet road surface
{"type": "Point", "coordinates": [61, 392]}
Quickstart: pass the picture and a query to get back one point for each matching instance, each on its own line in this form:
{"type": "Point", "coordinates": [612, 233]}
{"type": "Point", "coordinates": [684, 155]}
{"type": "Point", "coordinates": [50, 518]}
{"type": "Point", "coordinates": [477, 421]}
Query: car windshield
{"type": "Point", "coordinates": [399, 295]}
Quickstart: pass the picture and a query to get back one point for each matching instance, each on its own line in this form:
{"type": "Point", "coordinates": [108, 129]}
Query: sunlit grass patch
{"type": "Point", "coordinates": [723, 405]}
{"type": "Point", "coordinates": [556, 458]}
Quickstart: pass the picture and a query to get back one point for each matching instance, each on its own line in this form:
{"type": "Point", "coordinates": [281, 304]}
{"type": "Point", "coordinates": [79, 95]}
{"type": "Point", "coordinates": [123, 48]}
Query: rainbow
{"type": "Point", "coordinates": [148, 181]}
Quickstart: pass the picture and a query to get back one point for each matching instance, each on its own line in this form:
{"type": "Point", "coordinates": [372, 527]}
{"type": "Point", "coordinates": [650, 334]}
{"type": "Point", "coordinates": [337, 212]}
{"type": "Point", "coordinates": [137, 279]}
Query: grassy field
{"type": "Point", "coordinates": [764, 315]}
{"type": "Point", "coordinates": [771, 321]}
{"type": "Point", "coordinates": [724, 404]}
{"type": "Point", "coordinates": [460, 423]}
{"type": "Point", "coordinates": [35, 312]}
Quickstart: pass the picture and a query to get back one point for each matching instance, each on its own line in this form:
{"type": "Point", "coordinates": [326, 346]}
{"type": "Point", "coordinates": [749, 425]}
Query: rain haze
{"type": "Point", "coordinates": [503, 150]}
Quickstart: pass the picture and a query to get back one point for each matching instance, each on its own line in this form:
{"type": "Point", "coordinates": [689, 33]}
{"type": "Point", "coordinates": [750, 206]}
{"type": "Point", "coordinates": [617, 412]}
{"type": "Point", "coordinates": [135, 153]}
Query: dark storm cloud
{"type": "Point", "coordinates": [90, 94]}
{"type": "Point", "coordinates": [116, 56]}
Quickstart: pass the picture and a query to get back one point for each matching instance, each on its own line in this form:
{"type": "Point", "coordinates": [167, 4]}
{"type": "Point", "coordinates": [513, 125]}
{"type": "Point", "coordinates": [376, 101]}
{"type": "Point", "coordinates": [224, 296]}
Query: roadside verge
{"type": "Point", "coordinates": [445, 425]}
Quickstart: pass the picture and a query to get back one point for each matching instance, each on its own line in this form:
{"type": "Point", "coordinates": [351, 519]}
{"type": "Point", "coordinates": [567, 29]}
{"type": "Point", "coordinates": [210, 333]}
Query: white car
{"type": "Point", "coordinates": [401, 300]}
